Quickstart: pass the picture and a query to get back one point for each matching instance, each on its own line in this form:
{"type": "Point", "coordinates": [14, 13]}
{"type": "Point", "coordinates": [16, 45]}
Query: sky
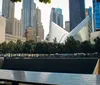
{"type": "Point", "coordinates": [46, 9]}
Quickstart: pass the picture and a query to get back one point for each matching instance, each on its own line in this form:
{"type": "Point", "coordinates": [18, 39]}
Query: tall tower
{"type": "Point", "coordinates": [39, 26]}
{"type": "Point", "coordinates": [77, 12]}
{"type": "Point", "coordinates": [96, 12]}
{"type": "Point", "coordinates": [28, 14]}
{"type": "Point", "coordinates": [8, 9]}
{"type": "Point", "coordinates": [56, 16]}
{"type": "Point", "coordinates": [59, 17]}
{"type": "Point", "coordinates": [38, 15]}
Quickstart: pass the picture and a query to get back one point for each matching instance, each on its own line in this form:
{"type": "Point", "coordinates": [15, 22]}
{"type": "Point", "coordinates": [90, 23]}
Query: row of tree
{"type": "Point", "coordinates": [70, 46]}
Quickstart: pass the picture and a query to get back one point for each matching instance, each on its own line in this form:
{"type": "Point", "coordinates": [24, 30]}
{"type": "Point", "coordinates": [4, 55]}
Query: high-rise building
{"type": "Point", "coordinates": [67, 26]}
{"type": "Point", "coordinates": [77, 12]}
{"type": "Point", "coordinates": [38, 15]}
{"type": "Point", "coordinates": [14, 27]}
{"type": "Point", "coordinates": [56, 16]}
{"type": "Point", "coordinates": [28, 14]}
{"type": "Point", "coordinates": [96, 13]}
{"type": "Point", "coordinates": [8, 9]}
{"type": "Point", "coordinates": [39, 26]}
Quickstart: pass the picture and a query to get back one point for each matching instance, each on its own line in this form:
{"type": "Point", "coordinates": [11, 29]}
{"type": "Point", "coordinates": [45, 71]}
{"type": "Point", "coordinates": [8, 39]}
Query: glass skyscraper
{"type": "Point", "coordinates": [96, 11]}
{"type": "Point", "coordinates": [56, 16]}
{"type": "Point", "coordinates": [77, 12]}
{"type": "Point", "coordinates": [29, 14]}
{"type": "Point", "coordinates": [8, 9]}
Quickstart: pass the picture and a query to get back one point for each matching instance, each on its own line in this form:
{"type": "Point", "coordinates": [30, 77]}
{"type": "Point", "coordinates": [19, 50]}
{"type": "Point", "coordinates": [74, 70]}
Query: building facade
{"type": "Point", "coordinates": [96, 12]}
{"type": "Point", "coordinates": [14, 27]}
{"type": "Point", "coordinates": [67, 26]}
{"type": "Point", "coordinates": [77, 12]}
{"type": "Point", "coordinates": [39, 26]}
{"type": "Point", "coordinates": [29, 14]}
{"type": "Point", "coordinates": [8, 9]}
{"type": "Point", "coordinates": [38, 15]}
{"type": "Point", "coordinates": [9, 37]}
{"type": "Point", "coordinates": [4, 36]}
{"type": "Point", "coordinates": [56, 16]}
{"type": "Point", "coordinates": [31, 34]}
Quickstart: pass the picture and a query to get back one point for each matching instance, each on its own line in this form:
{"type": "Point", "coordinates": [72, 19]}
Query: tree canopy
{"type": "Point", "coordinates": [42, 1]}
{"type": "Point", "coordinates": [70, 46]}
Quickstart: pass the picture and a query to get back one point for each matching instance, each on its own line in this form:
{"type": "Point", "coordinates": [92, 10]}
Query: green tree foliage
{"type": "Point", "coordinates": [86, 47]}
{"type": "Point", "coordinates": [41, 48]}
{"type": "Point", "coordinates": [11, 47]}
{"type": "Point", "coordinates": [97, 44]}
{"type": "Point", "coordinates": [42, 1]}
{"type": "Point", "coordinates": [28, 46]}
{"type": "Point", "coordinates": [18, 47]}
{"type": "Point", "coordinates": [71, 45]}
{"type": "Point", "coordinates": [4, 47]}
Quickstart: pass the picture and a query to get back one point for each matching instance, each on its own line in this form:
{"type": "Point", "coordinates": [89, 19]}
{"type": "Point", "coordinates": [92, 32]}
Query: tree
{"type": "Point", "coordinates": [4, 48]}
{"type": "Point", "coordinates": [11, 47]}
{"type": "Point", "coordinates": [28, 46]}
{"type": "Point", "coordinates": [97, 44]}
{"type": "Point", "coordinates": [41, 48]}
{"type": "Point", "coordinates": [86, 47]}
{"type": "Point", "coordinates": [71, 45]}
{"type": "Point", "coordinates": [55, 40]}
{"type": "Point", "coordinates": [18, 47]}
{"type": "Point", "coordinates": [42, 1]}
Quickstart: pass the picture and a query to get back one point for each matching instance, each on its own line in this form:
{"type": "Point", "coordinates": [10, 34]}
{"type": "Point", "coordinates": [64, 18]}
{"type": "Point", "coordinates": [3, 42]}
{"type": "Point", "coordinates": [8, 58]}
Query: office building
{"type": "Point", "coordinates": [4, 36]}
{"type": "Point", "coordinates": [96, 12]}
{"type": "Point", "coordinates": [28, 14]}
{"type": "Point", "coordinates": [39, 26]}
{"type": "Point", "coordinates": [40, 32]}
{"type": "Point", "coordinates": [14, 27]}
{"type": "Point", "coordinates": [8, 9]}
{"type": "Point", "coordinates": [77, 12]}
{"type": "Point", "coordinates": [67, 26]}
{"type": "Point", "coordinates": [38, 15]}
{"type": "Point", "coordinates": [31, 34]}
{"type": "Point", "coordinates": [56, 16]}
{"type": "Point", "coordinates": [59, 17]}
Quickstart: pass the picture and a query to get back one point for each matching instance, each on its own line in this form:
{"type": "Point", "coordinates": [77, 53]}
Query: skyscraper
{"type": "Point", "coordinates": [29, 14]}
{"type": "Point", "coordinates": [67, 26]}
{"type": "Point", "coordinates": [38, 15]}
{"type": "Point", "coordinates": [39, 26]}
{"type": "Point", "coordinates": [77, 12]}
{"type": "Point", "coordinates": [8, 9]}
{"type": "Point", "coordinates": [56, 16]}
{"type": "Point", "coordinates": [96, 12]}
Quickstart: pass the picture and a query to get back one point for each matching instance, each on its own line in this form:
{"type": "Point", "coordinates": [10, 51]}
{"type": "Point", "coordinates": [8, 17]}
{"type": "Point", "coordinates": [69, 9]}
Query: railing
{"type": "Point", "coordinates": [68, 55]}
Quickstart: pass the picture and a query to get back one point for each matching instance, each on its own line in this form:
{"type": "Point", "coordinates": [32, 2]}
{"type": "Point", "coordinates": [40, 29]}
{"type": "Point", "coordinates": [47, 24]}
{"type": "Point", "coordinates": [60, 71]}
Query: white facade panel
{"type": "Point", "coordinates": [56, 32]}
{"type": "Point", "coordinates": [80, 32]}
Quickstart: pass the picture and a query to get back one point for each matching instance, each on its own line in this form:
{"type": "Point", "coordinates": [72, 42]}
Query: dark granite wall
{"type": "Point", "coordinates": [84, 66]}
